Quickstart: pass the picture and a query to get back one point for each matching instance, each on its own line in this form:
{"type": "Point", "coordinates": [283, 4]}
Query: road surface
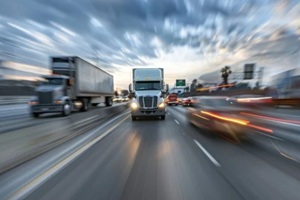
{"type": "Point", "coordinates": [155, 159]}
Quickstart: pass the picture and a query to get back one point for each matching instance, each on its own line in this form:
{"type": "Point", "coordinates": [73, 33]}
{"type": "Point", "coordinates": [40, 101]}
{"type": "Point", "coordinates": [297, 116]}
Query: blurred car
{"type": "Point", "coordinates": [222, 115]}
{"type": "Point", "coordinates": [186, 101]}
{"type": "Point", "coordinates": [172, 99]}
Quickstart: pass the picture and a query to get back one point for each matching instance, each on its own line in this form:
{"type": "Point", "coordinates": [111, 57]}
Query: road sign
{"type": "Point", "coordinates": [248, 71]}
{"type": "Point", "coordinates": [180, 82]}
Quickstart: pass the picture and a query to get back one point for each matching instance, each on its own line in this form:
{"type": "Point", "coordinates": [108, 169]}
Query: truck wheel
{"type": "Point", "coordinates": [133, 118]}
{"type": "Point", "coordinates": [95, 104]}
{"type": "Point", "coordinates": [163, 117]}
{"type": "Point", "coordinates": [66, 109]}
{"type": "Point", "coordinates": [35, 115]}
{"type": "Point", "coordinates": [85, 105]}
{"type": "Point", "coordinates": [108, 101]}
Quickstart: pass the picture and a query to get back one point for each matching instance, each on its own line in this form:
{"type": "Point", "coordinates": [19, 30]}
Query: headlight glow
{"type": "Point", "coordinates": [162, 105]}
{"type": "Point", "coordinates": [134, 105]}
{"type": "Point", "coordinates": [33, 102]}
{"type": "Point", "coordinates": [58, 102]}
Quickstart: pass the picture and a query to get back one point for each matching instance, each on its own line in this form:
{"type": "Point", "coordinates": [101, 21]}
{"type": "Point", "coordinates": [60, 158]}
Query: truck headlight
{"type": "Point", "coordinates": [134, 105]}
{"type": "Point", "coordinates": [33, 102]}
{"type": "Point", "coordinates": [58, 102]}
{"type": "Point", "coordinates": [162, 105]}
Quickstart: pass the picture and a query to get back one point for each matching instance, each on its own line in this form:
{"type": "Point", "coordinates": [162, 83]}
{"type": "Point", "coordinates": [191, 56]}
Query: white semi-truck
{"type": "Point", "coordinates": [75, 84]}
{"type": "Point", "coordinates": [148, 89]}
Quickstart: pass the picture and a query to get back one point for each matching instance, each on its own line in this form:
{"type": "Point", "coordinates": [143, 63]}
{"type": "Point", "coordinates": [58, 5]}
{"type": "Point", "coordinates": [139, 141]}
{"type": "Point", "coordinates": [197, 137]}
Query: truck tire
{"type": "Point", "coordinates": [85, 105]}
{"type": "Point", "coordinates": [133, 118]}
{"type": "Point", "coordinates": [163, 117]}
{"type": "Point", "coordinates": [66, 109]}
{"type": "Point", "coordinates": [35, 115]}
{"type": "Point", "coordinates": [108, 101]}
{"type": "Point", "coordinates": [95, 104]}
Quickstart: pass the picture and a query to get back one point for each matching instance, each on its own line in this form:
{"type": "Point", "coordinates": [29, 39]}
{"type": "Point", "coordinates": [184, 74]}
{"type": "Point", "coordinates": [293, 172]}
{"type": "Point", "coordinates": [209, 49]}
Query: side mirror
{"type": "Point", "coordinates": [130, 88]}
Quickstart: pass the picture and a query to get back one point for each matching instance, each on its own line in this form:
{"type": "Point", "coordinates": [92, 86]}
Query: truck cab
{"type": "Point", "coordinates": [148, 91]}
{"type": "Point", "coordinates": [51, 95]}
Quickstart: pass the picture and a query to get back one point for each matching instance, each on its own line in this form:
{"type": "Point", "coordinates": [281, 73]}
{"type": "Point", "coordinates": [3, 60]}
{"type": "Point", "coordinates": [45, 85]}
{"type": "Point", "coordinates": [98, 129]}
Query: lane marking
{"type": "Point", "coordinates": [289, 157]}
{"type": "Point", "coordinates": [283, 154]}
{"type": "Point", "coordinates": [212, 159]}
{"type": "Point", "coordinates": [169, 113]}
{"type": "Point", "coordinates": [87, 119]}
{"type": "Point", "coordinates": [274, 137]}
{"type": "Point", "coordinates": [29, 187]}
{"type": "Point", "coordinates": [176, 121]}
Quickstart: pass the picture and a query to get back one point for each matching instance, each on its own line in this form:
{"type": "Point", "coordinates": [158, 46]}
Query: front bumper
{"type": "Point", "coordinates": [46, 108]}
{"type": "Point", "coordinates": [148, 112]}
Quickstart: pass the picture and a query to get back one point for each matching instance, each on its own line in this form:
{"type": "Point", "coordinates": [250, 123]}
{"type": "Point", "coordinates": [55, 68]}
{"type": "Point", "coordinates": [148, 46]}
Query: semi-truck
{"type": "Point", "coordinates": [74, 84]}
{"type": "Point", "coordinates": [148, 91]}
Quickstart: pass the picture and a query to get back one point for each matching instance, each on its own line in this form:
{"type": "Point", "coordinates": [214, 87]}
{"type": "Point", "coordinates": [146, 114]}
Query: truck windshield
{"type": "Point", "coordinates": [147, 86]}
{"type": "Point", "coordinates": [52, 81]}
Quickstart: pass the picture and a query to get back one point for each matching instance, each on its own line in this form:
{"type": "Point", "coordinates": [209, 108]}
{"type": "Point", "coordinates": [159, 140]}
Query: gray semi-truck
{"type": "Point", "coordinates": [74, 84]}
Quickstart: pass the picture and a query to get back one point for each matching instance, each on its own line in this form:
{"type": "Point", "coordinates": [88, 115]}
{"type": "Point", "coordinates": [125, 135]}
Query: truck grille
{"type": "Point", "coordinates": [45, 97]}
{"type": "Point", "coordinates": [148, 102]}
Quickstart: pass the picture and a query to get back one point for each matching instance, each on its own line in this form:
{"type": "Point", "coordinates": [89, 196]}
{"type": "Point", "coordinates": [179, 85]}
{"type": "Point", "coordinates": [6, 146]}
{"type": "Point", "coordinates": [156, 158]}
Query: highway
{"type": "Point", "coordinates": [153, 159]}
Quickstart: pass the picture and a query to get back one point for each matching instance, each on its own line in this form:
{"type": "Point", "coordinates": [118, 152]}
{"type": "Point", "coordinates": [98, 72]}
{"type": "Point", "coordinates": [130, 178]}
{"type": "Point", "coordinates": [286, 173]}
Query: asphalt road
{"type": "Point", "coordinates": [155, 159]}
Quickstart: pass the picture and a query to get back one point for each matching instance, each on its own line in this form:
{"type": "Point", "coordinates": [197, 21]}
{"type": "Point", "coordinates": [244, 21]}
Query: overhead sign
{"type": "Point", "coordinates": [249, 71]}
{"type": "Point", "coordinates": [180, 82]}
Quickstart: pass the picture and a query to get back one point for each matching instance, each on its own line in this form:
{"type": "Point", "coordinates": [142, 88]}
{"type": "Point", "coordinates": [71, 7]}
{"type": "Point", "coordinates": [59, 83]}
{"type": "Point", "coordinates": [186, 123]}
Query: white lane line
{"type": "Point", "coordinates": [286, 123]}
{"type": "Point", "coordinates": [284, 154]}
{"type": "Point", "coordinates": [87, 119]}
{"type": "Point", "coordinates": [169, 113]}
{"type": "Point", "coordinates": [29, 187]}
{"type": "Point", "coordinates": [207, 154]}
{"type": "Point", "coordinates": [277, 138]}
{"type": "Point", "coordinates": [176, 122]}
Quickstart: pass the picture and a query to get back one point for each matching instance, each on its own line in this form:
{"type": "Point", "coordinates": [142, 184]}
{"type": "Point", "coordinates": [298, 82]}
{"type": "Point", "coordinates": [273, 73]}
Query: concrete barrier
{"type": "Point", "coordinates": [19, 146]}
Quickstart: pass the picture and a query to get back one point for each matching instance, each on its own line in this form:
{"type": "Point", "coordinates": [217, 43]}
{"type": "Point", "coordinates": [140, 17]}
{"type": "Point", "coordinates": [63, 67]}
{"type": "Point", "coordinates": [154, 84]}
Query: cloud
{"type": "Point", "coordinates": [139, 33]}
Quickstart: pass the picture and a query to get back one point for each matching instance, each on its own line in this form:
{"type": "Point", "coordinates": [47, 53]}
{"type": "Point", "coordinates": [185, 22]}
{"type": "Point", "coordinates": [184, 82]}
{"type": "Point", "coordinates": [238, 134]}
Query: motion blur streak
{"type": "Point", "coordinates": [215, 87]}
{"type": "Point", "coordinates": [201, 117]}
{"type": "Point", "coordinates": [272, 118]}
{"type": "Point", "coordinates": [261, 128]}
{"type": "Point", "coordinates": [255, 100]}
{"type": "Point", "coordinates": [238, 121]}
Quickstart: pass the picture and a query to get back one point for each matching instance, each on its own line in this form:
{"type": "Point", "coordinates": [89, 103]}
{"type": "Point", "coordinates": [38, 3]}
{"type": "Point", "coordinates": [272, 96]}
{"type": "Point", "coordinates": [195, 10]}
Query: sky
{"type": "Point", "coordinates": [188, 38]}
